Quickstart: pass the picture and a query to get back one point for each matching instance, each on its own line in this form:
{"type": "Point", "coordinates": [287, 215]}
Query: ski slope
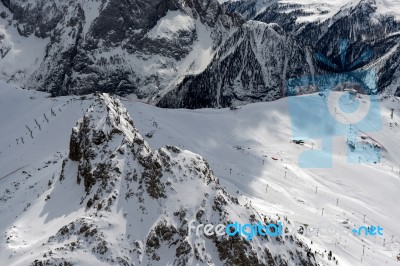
{"type": "Point", "coordinates": [240, 146]}
{"type": "Point", "coordinates": [249, 149]}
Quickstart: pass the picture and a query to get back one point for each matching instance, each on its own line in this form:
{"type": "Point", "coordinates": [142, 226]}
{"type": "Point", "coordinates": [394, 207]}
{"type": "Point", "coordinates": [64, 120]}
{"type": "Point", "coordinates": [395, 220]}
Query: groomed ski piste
{"type": "Point", "coordinates": [250, 149]}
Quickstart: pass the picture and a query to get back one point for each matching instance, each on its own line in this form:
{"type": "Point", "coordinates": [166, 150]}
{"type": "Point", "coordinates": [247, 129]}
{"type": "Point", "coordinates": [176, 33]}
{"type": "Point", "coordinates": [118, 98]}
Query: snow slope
{"type": "Point", "coordinates": [19, 55]}
{"type": "Point", "coordinates": [239, 145]}
{"type": "Point", "coordinates": [317, 10]}
{"type": "Point", "coordinates": [172, 23]}
{"type": "Point", "coordinates": [240, 140]}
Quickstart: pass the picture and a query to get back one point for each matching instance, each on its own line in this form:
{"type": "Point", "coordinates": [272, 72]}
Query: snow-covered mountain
{"type": "Point", "coordinates": [83, 46]}
{"type": "Point", "coordinates": [121, 191]}
{"type": "Point", "coordinates": [105, 194]}
{"type": "Point", "coordinates": [252, 65]}
{"type": "Point", "coordinates": [365, 24]}
{"type": "Point", "coordinates": [119, 202]}
{"type": "Point", "coordinates": [171, 52]}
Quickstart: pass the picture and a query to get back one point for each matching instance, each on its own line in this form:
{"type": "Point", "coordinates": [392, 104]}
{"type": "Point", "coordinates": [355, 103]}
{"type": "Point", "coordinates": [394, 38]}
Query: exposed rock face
{"type": "Point", "coordinates": [136, 203]}
{"type": "Point", "coordinates": [363, 24]}
{"type": "Point", "coordinates": [4, 46]}
{"type": "Point", "coordinates": [46, 16]}
{"type": "Point", "coordinates": [130, 46]}
{"type": "Point", "coordinates": [251, 66]}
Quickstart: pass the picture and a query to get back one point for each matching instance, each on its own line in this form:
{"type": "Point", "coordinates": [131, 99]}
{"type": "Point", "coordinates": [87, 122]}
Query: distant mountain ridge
{"type": "Point", "coordinates": [366, 24]}
{"type": "Point", "coordinates": [122, 47]}
{"type": "Point", "coordinates": [191, 53]}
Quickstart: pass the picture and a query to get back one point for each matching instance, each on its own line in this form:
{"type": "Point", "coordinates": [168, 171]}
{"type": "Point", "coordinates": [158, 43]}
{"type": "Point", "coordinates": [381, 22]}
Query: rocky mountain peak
{"type": "Point", "coordinates": [102, 122]}
{"type": "Point", "coordinates": [105, 130]}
